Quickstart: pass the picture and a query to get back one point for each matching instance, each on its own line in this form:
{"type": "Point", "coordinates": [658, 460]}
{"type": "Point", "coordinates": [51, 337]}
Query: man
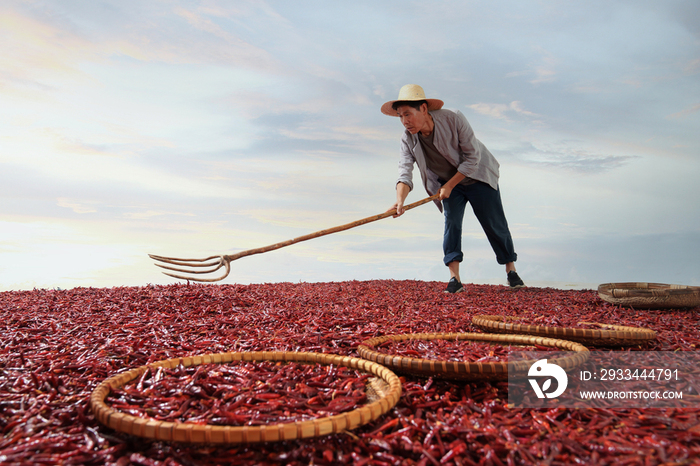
{"type": "Point", "coordinates": [456, 166]}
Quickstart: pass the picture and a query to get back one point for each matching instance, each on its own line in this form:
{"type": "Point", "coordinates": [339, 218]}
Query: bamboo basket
{"type": "Point", "coordinates": [383, 391]}
{"type": "Point", "coordinates": [466, 370]}
{"type": "Point", "coordinates": [609, 335]}
{"type": "Point", "coordinates": [650, 295]}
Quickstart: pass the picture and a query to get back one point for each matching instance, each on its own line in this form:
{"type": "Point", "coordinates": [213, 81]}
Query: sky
{"type": "Point", "coordinates": [198, 128]}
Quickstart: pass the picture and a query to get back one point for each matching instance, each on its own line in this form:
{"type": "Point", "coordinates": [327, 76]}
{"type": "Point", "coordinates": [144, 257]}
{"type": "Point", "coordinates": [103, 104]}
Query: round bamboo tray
{"type": "Point", "coordinates": [466, 370]}
{"type": "Point", "coordinates": [609, 335]}
{"type": "Point", "coordinates": [383, 391]}
{"type": "Point", "coordinates": [650, 295]}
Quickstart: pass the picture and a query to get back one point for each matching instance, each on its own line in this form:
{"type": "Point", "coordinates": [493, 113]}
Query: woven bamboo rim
{"type": "Point", "coordinates": [609, 335]}
{"type": "Point", "coordinates": [389, 393]}
{"type": "Point", "coordinates": [466, 370]}
{"type": "Point", "coordinates": [650, 295]}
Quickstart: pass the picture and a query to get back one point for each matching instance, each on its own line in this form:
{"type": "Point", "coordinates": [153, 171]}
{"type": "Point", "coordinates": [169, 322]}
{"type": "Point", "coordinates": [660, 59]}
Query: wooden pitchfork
{"type": "Point", "coordinates": [193, 267]}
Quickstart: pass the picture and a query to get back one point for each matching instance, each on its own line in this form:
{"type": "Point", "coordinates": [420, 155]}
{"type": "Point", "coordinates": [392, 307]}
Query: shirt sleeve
{"type": "Point", "coordinates": [406, 161]}
{"type": "Point", "coordinates": [468, 146]}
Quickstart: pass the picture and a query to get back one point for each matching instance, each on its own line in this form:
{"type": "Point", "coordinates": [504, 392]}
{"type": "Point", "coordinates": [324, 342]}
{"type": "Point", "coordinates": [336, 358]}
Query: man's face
{"type": "Point", "coordinates": [414, 120]}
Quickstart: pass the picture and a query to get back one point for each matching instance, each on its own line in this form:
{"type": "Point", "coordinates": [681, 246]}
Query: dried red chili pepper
{"type": "Point", "coordinates": [218, 395]}
{"type": "Point", "coordinates": [56, 346]}
{"type": "Point", "coordinates": [454, 350]}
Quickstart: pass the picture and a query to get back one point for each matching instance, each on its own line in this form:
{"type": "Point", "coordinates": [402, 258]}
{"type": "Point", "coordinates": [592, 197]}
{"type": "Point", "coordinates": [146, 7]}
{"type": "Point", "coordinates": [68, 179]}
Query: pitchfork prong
{"type": "Point", "coordinates": [186, 264]}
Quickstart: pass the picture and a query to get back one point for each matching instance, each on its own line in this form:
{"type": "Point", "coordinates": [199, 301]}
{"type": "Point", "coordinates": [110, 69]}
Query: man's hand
{"type": "Point", "coordinates": [402, 190]}
{"type": "Point", "coordinates": [398, 208]}
{"type": "Point", "coordinates": [444, 192]}
{"type": "Point", "coordinates": [447, 188]}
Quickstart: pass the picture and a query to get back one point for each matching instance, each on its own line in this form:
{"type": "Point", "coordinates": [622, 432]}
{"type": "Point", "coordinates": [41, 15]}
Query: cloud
{"type": "Point", "coordinates": [685, 112]}
{"type": "Point", "coordinates": [502, 111]}
{"type": "Point", "coordinates": [543, 69]}
{"type": "Point", "coordinates": [693, 66]}
{"type": "Point", "coordinates": [545, 72]}
{"type": "Point", "coordinates": [33, 48]}
{"type": "Point", "coordinates": [580, 161]}
{"type": "Point", "coordinates": [77, 207]}
{"type": "Point", "coordinates": [52, 40]}
{"type": "Point", "coordinates": [566, 157]}
{"type": "Point", "coordinates": [149, 214]}
{"type": "Point", "coordinates": [230, 47]}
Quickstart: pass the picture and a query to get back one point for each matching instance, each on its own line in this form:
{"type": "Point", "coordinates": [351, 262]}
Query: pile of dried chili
{"type": "Point", "coordinates": [454, 350]}
{"type": "Point", "coordinates": [243, 393]}
{"type": "Point", "coordinates": [554, 321]}
{"type": "Point", "coordinates": [57, 345]}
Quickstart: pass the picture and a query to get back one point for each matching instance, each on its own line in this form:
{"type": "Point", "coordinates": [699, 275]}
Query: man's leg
{"type": "Point", "coordinates": [453, 208]}
{"type": "Point", "coordinates": [454, 270]}
{"type": "Point", "coordinates": [488, 209]}
{"type": "Point", "coordinates": [487, 206]}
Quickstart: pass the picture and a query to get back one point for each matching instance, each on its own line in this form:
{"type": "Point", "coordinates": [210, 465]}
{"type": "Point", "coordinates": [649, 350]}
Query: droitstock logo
{"type": "Point", "coordinates": [543, 369]}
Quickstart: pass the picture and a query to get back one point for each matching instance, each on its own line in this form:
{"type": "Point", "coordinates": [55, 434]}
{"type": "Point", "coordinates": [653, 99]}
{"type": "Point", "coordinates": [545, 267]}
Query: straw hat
{"type": "Point", "coordinates": [411, 92]}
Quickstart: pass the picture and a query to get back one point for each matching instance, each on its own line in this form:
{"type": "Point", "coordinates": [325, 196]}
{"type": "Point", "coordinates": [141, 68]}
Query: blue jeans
{"type": "Point", "coordinates": [486, 203]}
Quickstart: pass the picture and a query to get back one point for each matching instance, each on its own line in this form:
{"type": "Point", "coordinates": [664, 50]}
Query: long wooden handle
{"type": "Point", "coordinates": [318, 234]}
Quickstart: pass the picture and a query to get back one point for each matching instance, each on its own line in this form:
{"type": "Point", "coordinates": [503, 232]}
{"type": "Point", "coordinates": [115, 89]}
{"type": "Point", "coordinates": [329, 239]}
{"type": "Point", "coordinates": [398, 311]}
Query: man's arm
{"type": "Point", "coordinates": [447, 188]}
{"type": "Point", "coordinates": [404, 185]}
{"type": "Point", "coordinates": [402, 190]}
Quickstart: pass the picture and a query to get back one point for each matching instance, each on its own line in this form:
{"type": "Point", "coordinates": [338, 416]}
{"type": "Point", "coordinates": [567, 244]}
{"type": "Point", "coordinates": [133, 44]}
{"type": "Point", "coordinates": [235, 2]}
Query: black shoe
{"type": "Point", "coordinates": [454, 286]}
{"type": "Point", "coordinates": [514, 280]}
